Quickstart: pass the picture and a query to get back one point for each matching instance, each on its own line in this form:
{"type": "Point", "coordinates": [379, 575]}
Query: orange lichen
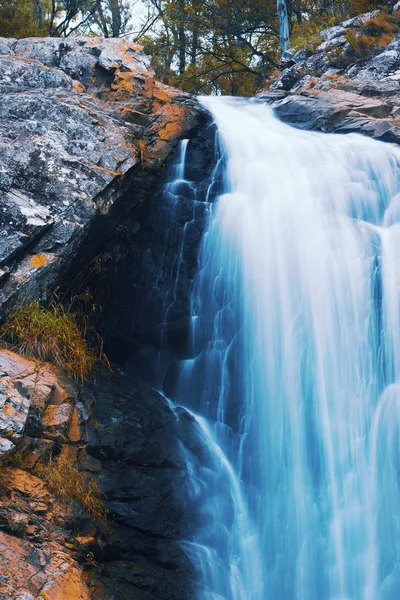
{"type": "Point", "coordinates": [108, 171]}
{"type": "Point", "coordinates": [39, 260]}
{"type": "Point", "coordinates": [170, 130]}
{"type": "Point", "coordinates": [77, 87]}
{"type": "Point", "coordinates": [125, 85]}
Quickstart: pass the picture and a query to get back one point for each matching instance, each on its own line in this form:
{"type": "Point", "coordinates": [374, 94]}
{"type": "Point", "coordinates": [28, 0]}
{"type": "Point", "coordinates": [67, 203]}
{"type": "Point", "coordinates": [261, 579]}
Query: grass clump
{"type": "Point", "coordinates": [377, 33]}
{"type": "Point", "coordinates": [51, 334]}
{"type": "Point", "coordinates": [65, 481]}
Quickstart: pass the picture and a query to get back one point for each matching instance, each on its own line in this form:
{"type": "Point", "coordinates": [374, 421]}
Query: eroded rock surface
{"type": "Point", "coordinates": [122, 436]}
{"type": "Point", "coordinates": [79, 119]}
{"type": "Point", "coordinates": [336, 90]}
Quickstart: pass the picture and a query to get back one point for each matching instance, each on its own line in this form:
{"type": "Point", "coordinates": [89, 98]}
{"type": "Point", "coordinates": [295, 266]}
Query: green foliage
{"type": "Point", "coordinates": [51, 334]}
{"type": "Point", "coordinates": [22, 18]}
{"type": "Point", "coordinates": [306, 35]}
{"type": "Point", "coordinates": [28, 18]}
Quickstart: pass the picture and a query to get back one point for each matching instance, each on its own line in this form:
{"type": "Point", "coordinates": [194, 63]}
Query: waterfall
{"type": "Point", "coordinates": [294, 375]}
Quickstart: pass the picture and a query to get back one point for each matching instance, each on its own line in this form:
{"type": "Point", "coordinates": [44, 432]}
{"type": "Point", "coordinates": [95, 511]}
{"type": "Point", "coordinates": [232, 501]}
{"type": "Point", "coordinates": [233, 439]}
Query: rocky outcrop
{"type": "Point", "coordinates": [338, 89]}
{"type": "Point", "coordinates": [87, 135]}
{"type": "Point", "coordinates": [119, 436]}
{"type": "Point", "coordinates": [144, 286]}
{"type": "Point", "coordinates": [81, 121]}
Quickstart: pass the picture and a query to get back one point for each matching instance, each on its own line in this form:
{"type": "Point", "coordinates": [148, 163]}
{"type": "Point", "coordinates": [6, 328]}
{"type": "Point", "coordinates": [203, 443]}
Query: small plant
{"type": "Point", "coordinates": [352, 37]}
{"type": "Point", "coordinates": [65, 481]}
{"type": "Point", "coordinates": [306, 36]}
{"type": "Point", "coordinates": [376, 33]}
{"type": "Point", "coordinates": [51, 334]}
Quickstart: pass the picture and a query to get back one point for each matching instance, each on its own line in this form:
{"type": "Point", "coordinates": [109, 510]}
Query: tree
{"type": "Point", "coordinates": [215, 46]}
{"type": "Point", "coordinates": [61, 18]}
{"type": "Point", "coordinates": [284, 33]}
{"type": "Point", "coordinates": [24, 18]}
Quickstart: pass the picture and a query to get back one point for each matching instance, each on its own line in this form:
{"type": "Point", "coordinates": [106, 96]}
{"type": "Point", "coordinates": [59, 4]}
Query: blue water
{"type": "Point", "coordinates": [295, 375]}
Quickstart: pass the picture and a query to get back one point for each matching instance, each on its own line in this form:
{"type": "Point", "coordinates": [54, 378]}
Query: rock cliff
{"type": "Point", "coordinates": [116, 440]}
{"type": "Point", "coordinates": [87, 135]}
{"type": "Point", "coordinates": [80, 119]}
{"type": "Point", "coordinates": [341, 89]}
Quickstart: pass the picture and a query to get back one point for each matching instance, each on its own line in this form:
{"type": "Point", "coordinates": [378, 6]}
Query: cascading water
{"type": "Point", "coordinates": [296, 366]}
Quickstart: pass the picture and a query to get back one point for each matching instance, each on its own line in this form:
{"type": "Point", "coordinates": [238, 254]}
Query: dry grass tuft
{"type": "Point", "coordinates": [65, 481]}
{"type": "Point", "coordinates": [377, 33]}
{"type": "Point", "coordinates": [51, 334]}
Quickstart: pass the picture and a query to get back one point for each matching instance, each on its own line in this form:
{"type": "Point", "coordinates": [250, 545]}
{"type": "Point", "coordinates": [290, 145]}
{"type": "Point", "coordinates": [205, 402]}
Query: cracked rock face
{"type": "Point", "coordinates": [334, 90]}
{"type": "Point", "coordinates": [78, 119]}
{"type": "Point", "coordinates": [123, 436]}
{"type": "Point", "coordinates": [24, 391]}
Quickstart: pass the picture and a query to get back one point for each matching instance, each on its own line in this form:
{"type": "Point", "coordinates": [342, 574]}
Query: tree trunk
{"type": "Point", "coordinates": [283, 25]}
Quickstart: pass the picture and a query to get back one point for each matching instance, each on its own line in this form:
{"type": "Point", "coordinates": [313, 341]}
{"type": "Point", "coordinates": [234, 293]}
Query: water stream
{"type": "Point", "coordinates": [295, 375]}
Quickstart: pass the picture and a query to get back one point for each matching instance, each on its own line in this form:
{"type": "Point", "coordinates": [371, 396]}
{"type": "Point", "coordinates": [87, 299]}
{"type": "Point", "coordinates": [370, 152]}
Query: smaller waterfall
{"type": "Point", "coordinates": [225, 548]}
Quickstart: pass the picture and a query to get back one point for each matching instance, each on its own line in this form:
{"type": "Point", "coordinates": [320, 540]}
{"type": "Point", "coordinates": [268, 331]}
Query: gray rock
{"type": "Point", "coordinates": [359, 20]}
{"type": "Point", "coordinates": [6, 446]}
{"type": "Point", "coordinates": [330, 44]}
{"type": "Point", "coordinates": [333, 32]}
{"type": "Point", "coordinates": [70, 148]}
{"type": "Point", "coordinates": [43, 50]}
{"type": "Point", "coordinates": [380, 66]}
{"type": "Point", "coordinates": [7, 45]}
{"type": "Point", "coordinates": [14, 409]}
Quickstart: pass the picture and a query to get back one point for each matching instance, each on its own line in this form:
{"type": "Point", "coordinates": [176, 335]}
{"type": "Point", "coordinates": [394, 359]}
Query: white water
{"type": "Point", "coordinates": [296, 368]}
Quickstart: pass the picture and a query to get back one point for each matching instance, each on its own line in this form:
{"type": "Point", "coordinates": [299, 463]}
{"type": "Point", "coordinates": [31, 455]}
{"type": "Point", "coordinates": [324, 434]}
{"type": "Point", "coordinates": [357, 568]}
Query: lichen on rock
{"type": "Point", "coordinates": [74, 116]}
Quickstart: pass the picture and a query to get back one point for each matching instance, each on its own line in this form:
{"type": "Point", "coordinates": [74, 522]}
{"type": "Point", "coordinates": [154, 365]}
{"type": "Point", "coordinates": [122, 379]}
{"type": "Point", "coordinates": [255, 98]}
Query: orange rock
{"type": "Point", "coordinates": [67, 586]}
{"type": "Point", "coordinates": [56, 416]}
{"type": "Point", "coordinates": [171, 129]}
{"type": "Point", "coordinates": [78, 87]}
{"type": "Point", "coordinates": [41, 573]}
{"type": "Point", "coordinates": [68, 454]}
{"type": "Point", "coordinates": [74, 431]}
{"type": "Point", "coordinates": [42, 383]}
{"type": "Point", "coordinates": [27, 484]}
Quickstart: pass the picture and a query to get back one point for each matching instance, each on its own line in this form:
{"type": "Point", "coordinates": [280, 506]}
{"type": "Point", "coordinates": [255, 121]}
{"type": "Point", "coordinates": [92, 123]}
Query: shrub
{"type": "Point", "coordinates": [376, 33]}
{"type": "Point", "coordinates": [381, 24]}
{"type": "Point", "coordinates": [306, 36]}
{"type": "Point", "coordinates": [65, 481]}
{"type": "Point", "coordinates": [51, 334]}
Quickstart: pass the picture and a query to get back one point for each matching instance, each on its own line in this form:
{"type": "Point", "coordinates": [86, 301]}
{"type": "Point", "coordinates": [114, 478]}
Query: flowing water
{"type": "Point", "coordinates": [295, 375]}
